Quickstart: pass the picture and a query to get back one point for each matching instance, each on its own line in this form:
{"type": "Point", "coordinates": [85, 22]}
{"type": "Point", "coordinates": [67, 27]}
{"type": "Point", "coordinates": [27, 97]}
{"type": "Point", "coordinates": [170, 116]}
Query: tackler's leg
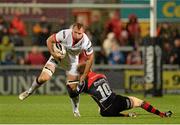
{"type": "Point", "coordinates": [148, 107]}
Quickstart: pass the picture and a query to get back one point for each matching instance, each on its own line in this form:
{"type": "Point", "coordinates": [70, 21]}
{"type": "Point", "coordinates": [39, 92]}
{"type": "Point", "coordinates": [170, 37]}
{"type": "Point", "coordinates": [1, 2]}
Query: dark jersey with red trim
{"type": "Point", "coordinates": [98, 87]}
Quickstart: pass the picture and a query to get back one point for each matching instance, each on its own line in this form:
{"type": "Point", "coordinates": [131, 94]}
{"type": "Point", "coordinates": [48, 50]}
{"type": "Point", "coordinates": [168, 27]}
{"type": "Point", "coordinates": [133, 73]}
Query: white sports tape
{"type": "Point", "coordinates": [48, 71]}
{"type": "Point", "coordinates": [72, 82]}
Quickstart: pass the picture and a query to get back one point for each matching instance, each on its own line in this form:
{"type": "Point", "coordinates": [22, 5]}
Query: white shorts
{"type": "Point", "coordinates": [69, 64]}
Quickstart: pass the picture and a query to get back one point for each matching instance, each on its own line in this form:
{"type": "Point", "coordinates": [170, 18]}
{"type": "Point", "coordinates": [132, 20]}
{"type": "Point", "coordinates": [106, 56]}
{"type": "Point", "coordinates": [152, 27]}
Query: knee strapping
{"type": "Point", "coordinates": [48, 71]}
{"type": "Point", "coordinates": [72, 82]}
{"type": "Point", "coordinates": [37, 81]}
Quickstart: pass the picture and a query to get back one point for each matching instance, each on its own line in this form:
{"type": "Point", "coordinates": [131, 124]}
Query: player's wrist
{"type": "Point", "coordinates": [84, 76]}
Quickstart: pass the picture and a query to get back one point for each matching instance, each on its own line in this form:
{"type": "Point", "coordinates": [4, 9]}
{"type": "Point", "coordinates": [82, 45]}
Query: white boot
{"type": "Point", "coordinates": [24, 95]}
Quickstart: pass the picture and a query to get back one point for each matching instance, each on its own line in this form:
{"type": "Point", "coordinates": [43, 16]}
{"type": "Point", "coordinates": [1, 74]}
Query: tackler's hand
{"type": "Point", "coordinates": [82, 78]}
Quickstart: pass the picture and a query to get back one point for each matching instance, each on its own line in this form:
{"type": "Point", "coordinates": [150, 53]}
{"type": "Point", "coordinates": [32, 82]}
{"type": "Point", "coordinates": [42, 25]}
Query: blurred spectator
{"type": "Point", "coordinates": [175, 34]}
{"type": "Point", "coordinates": [95, 31]}
{"type": "Point", "coordinates": [9, 59]}
{"type": "Point", "coordinates": [35, 57]}
{"type": "Point", "coordinates": [45, 31]}
{"type": "Point", "coordinates": [134, 57]}
{"type": "Point", "coordinates": [5, 33]}
{"type": "Point", "coordinates": [36, 32]}
{"type": "Point", "coordinates": [116, 57]}
{"type": "Point", "coordinates": [3, 27]}
{"type": "Point", "coordinates": [164, 31]}
{"type": "Point", "coordinates": [61, 24]}
{"type": "Point", "coordinates": [124, 40]}
{"type": "Point", "coordinates": [134, 30]}
{"type": "Point", "coordinates": [175, 57]}
{"type": "Point", "coordinates": [100, 57]}
{"type": "Point", "coordinates": [6, 50]}
{"type": "Point", "coordinates": [114, 24]}
{"type": "Point", "coordinates": [167, 52]}
{"type": "Point", "coordinates": [16, 39]}
{"type": "Point", "coordinates": [107, 44]}
{"type": "Point", "coordinates": [96, 28]}
{"type": "Point", "coordinates": [20, 60]}
{"type": "Point", "coordinates": [41, 31]}
{"type": "Point", "coordinates": [17, 25]}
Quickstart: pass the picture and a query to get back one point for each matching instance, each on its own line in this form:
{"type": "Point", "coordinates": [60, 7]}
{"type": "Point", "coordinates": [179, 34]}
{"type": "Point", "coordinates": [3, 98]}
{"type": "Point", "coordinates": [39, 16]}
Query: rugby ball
{"type": "Point", "coordinates": [59, 49]}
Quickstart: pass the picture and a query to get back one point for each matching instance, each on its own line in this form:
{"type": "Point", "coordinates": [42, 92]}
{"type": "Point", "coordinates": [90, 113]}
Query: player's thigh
{"type": "Point", "coordinates": [72, 77]}
{"type": "Point", "coordinates": [119, 104]}
{"type": "Point", "coordinates": [135, 101]}
{"type": "Point", "coordinates": [122, 103]}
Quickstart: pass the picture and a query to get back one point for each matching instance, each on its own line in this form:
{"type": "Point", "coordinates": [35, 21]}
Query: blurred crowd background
{"type": "Point", "coordinates": [105, 28]}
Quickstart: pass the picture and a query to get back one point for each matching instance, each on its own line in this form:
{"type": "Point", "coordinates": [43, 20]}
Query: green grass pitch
{"type": "Point", "coordinates": [43, 109]}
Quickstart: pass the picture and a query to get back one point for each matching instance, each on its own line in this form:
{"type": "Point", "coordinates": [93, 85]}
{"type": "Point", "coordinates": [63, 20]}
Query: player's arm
{"type": "Point", "coordinates": [52, 40]}
{"type": "Point", "coordinates": [89, 54]}
{"type": "Point", "coordinates": [89, 62]}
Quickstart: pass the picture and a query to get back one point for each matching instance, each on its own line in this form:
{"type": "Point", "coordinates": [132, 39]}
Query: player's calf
{"type": "Point", "coordinates": [44, 76]}
{"type": "Point", "coordinates": [148, 107]}
{"type": "Point", "coordinates": [74, 95]}
{"type": "Point", "coordinates": [35, 85]}
{"type": "Point", "coordinates": [72, 92]}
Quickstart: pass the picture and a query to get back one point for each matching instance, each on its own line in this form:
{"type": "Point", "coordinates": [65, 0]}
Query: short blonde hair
{"type": "Point", "coordinates": [78, 25]}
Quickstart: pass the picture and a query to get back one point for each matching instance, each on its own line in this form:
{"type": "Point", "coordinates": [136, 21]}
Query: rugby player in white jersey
{"type": "Point", "coordinates": [75, 41]}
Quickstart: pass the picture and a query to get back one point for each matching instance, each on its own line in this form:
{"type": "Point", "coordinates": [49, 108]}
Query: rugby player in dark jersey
{"type": "Point", "coordinates": [111, 104]}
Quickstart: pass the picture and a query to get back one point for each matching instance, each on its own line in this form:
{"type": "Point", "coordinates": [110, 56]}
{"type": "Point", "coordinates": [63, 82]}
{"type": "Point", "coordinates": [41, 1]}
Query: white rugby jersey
{"type": "Point", "coordinates": [65, 38]}
{"type": "Point", "coordinates": [71, 60]}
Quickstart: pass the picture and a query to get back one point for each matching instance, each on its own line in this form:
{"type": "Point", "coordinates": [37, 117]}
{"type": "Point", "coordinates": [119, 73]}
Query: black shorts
{"type": "Point", "coordinates": [119, 104]}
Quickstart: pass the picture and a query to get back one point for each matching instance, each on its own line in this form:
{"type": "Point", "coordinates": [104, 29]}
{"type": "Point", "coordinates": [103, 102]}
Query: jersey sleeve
{"type": "Point", "coordinates": [88, 49]}
{"type": "Point", "coordinates": [60, 36]}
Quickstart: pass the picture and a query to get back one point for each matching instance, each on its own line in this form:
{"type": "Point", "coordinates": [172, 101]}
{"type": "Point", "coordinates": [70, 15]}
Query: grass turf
{"type": "Point", "coordinates": [57, 110]}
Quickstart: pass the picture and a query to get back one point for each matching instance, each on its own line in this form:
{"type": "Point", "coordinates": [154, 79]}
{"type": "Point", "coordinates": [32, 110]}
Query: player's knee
{"type": "Point", "coordinates": [72, 84]}
{"type": "Point", "coordinates": [48, 71]}
{"type": "Point", "coordinates": [72, 93]}
{"type": "Point", "coordinates": [43, 78]}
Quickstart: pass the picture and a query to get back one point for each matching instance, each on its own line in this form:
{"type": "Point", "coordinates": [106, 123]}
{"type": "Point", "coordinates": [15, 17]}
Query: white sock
{"type": "Point", "coordinates": [75, 103]}
{"type": "Point", "coordinates": [34, 86]}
